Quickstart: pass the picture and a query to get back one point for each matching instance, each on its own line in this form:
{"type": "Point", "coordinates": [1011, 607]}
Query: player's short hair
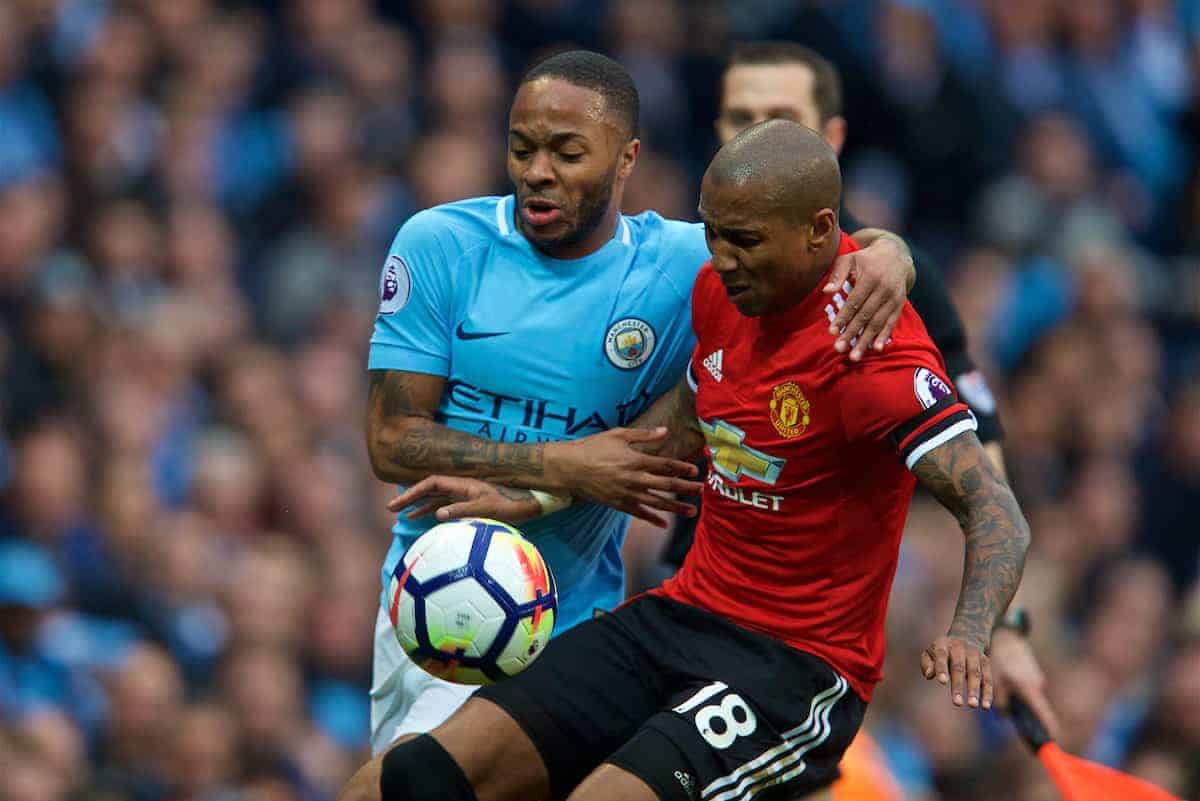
{"type": "Point", "coordinates": [827, 83]}
{"type": "Point", "coordinates": [599, 73]}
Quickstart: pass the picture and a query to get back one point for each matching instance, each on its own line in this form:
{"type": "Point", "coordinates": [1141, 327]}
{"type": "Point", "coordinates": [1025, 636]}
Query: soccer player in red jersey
{"type": "Point", "coordinates": [747, 674]}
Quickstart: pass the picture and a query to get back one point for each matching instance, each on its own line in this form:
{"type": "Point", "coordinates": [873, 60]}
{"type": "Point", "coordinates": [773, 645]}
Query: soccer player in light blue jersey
{"type": "Point", "coordinates": [510, 327]}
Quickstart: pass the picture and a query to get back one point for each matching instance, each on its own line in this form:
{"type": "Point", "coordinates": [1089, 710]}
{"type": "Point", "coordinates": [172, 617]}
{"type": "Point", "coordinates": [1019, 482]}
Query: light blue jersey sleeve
{"type": "Point", "coordinates": [413, 327]}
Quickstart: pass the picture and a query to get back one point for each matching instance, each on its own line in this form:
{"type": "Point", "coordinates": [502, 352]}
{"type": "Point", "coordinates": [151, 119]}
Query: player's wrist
{"type": "Point", "coordinates": [556, 468]}
{"type": "Point", "coordinates": [1016, 620]}
{"type": "Point", "coordinates": [897, 246]}
{"type": "Point", "coordinates": [550, 502]}
{"type": "Point", "coordinates": [894, 250]}
{"type": "Point", "coordinates": [970, 634]}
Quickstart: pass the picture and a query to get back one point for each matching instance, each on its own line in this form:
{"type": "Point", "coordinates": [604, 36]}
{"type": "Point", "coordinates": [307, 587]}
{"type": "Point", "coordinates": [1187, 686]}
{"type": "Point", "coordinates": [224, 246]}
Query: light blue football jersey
{"type": "Point", "coordinates": [540, 349]}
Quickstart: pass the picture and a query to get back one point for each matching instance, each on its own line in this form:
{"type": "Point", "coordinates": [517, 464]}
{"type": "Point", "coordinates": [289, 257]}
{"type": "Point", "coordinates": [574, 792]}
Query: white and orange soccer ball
{"type": "Point", "coordinates": [472, 601]}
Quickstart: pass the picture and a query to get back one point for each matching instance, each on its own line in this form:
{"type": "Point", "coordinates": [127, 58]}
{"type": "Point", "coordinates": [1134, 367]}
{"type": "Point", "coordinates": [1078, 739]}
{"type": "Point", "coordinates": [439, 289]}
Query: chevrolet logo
{"type": "Point", "coordinates": [732, 458]}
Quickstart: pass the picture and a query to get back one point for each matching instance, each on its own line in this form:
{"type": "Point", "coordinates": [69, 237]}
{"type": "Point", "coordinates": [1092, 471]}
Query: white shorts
{"type": "Point", "coordinates": [404, 698]}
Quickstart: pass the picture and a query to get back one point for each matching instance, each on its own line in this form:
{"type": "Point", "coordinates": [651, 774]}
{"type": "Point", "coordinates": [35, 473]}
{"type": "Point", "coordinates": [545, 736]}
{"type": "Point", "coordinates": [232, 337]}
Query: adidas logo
{"type": "Point", "coordinates": [712, 363]}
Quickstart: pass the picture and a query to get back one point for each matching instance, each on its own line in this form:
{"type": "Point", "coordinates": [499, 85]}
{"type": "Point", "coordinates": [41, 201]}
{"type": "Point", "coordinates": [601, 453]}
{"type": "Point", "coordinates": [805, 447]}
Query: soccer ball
{"type": "Point", "coordinates": [472, 601]}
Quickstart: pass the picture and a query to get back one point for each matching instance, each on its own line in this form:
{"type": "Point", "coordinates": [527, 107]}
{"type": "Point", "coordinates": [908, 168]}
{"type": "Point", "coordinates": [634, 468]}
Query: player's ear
{"type": "Point", "coordinates": [824, 228]}
{"type": "Point", "coordinates": [629, 158]}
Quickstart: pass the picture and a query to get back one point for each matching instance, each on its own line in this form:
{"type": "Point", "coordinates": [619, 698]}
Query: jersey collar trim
{"type": "Point", "coordinates": [502, 216]}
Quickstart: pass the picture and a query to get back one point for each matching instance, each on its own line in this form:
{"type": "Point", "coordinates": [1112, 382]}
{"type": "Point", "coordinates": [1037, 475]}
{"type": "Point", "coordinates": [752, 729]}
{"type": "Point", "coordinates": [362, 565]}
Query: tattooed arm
{"type": "Point", "coordinates": [964, 479]}
{"type": "Point", "coordinates": [676, 412]}
{"type": "Point", "coordinates": [406, 445]}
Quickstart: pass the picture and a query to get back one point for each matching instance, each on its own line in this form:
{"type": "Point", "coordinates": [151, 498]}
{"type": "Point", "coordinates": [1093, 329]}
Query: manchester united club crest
{"type": "Point", "coordinates": [789, 410]}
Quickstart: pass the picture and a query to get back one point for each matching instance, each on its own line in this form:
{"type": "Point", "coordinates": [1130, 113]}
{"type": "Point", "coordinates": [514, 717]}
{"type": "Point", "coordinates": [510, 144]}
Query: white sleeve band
{"type": "Point", "coordinates": [550, 502]}
{"type": "Point", "coordinates": [961, 427]}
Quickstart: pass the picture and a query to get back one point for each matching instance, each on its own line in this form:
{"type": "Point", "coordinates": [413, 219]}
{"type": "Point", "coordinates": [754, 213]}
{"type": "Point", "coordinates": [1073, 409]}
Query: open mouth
{"type": "Point", "coordinates": [539, 212]}
{"type": "Point", "coordinates": [734, 291]}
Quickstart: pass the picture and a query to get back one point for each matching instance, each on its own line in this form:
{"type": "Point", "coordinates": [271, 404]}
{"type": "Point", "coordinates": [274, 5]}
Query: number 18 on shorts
{"type": "Point", "coordinates": [698, 708]}
{"type": "Point", "coordinates": [728, 751]}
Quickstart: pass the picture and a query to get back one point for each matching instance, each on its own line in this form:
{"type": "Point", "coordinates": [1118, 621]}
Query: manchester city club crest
{"type": "Point", "coordinates": [789, 410]}
{"type": "Point", "coordinates": [629, 343]}
{"type": "Point", "coordinates": [395, 285]}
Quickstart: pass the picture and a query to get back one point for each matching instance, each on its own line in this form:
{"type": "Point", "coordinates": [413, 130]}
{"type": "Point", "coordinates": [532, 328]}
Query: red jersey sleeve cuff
{"type": "Point", "coordinates": [935, 426]}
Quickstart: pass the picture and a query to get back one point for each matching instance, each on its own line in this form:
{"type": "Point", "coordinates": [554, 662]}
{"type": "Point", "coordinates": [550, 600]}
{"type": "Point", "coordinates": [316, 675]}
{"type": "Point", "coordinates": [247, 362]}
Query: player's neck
{"type": "Point", "coordinates": [827, 255]}
{"type": "Point", "coordinates": [811, 277]}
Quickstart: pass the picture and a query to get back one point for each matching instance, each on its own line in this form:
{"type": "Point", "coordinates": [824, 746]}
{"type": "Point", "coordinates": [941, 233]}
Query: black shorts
{"type": "Point", "coordinates": [697, 707]}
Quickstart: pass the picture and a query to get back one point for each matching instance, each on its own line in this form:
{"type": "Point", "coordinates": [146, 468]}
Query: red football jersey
{"type": "Point", "coordinates": [808, 487]}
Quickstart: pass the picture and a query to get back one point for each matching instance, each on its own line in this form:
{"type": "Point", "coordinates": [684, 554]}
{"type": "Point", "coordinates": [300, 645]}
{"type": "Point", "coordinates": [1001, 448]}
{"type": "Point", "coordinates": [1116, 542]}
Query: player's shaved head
{"type": "Point", "coordinates": [787, 166]}
{"type": "Point", "coordinates": [769, 202]}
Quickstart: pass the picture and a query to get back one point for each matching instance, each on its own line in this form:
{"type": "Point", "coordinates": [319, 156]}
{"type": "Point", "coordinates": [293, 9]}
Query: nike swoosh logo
{"type": "Point", "coordinates": [461, 334]}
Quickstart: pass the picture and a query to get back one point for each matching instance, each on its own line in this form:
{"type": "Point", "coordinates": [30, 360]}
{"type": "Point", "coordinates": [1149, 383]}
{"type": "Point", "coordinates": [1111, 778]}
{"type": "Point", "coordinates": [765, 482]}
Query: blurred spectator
{"type": "Point", "coordinates": [30, 584]}
{"type": "Point", "coordinates": [1170, 482]}
{"type": "Point", "coordinates": [203, 753]}
{"type": "Point", "coordinates": [111, 135]}
{"type": "Point", "coordinates": [1029, 69]}
{"type": "Point", "coordinates": [264, 686]}
{"type": "Point", "coordinates": [1127, 95]}
{"type": "Point", "coordinates": [378, 67]}
{"type": "Point", "coordinates": [48, 497]}
{"type": "Point", "coordinates": [29, 141]}
{"type": "Point", "coordinates": [647, 37]}
{"type": "Point", "coordinates": [448, 165]}
{"type": "Point", "coordinates": [447, 19]}
{"type": "Point", "coordinates": [269, 590]}
{"type": "Point", "coordinates": [145, 701]}
{"type": "Point", "coordinates": [660, 185]}
{"type": "Point", "coordinates": [468, 88]}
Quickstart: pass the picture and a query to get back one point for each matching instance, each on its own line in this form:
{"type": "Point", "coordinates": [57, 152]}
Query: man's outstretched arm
{"type": "Point", "coordinates": [668, 430]}
{"type": "Point", "coordinates": [960, 474]}
{"type": "Point", "coordinates": [407, 446]}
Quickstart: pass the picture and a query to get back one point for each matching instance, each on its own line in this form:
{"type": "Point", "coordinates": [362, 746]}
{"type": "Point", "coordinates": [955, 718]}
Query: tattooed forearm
{"type": "Point", "coordinates": [677, 411]}
{"type": "Point", "coordinates": [963, 478]}
{"type": "Point", "coordinates": [406, 444]}
{"type": "Point", "coordinates": [421, 447]}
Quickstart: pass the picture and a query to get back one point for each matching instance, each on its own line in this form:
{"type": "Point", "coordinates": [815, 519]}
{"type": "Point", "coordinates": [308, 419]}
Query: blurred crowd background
{"type": "Point", "coordinates": [195, 201]}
